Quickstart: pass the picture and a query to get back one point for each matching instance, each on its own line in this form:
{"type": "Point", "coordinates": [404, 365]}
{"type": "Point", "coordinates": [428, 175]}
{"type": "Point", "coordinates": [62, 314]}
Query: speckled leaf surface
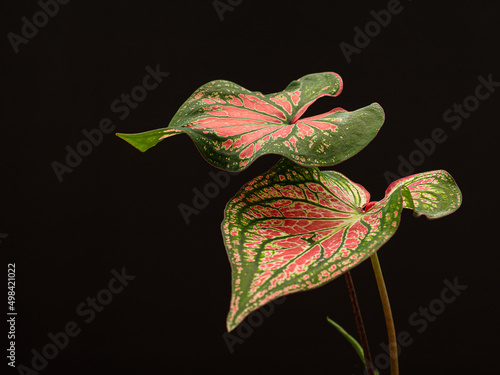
{"type": "Point", "coordinates": [295, 228]}
{"type": "Point", "coordinates": [433, 194]}
{"type": "Point", "coordinates": [232, 126]}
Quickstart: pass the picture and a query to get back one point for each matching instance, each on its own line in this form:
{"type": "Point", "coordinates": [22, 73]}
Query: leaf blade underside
{"type": "Point", "coordinates": [232, 126]}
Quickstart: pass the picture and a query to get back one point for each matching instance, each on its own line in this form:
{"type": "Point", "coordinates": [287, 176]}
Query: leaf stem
{"type": "Point", "coordinates": [359, 323]}
{"type": "Point", "coordinates": [391, 331]}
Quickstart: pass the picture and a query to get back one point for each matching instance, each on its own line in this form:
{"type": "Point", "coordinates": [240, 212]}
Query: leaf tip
{"type": "Point", "coordinates": [379, 108]}
{"type": "Point", "coordinates": [341, 83]}
{"type": "Point", "coordinates": [130, 140]}
{"type": "Point", "coordinates": [231, 324]}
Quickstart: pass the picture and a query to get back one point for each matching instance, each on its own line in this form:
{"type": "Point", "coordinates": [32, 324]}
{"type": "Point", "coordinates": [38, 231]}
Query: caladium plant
{"type": "Point", "coordinates": [296, 227]}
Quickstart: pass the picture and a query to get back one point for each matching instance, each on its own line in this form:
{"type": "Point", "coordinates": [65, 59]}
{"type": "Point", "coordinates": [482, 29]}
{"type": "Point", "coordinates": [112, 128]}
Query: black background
{"type": "Point", "coordinates": [119, 208]}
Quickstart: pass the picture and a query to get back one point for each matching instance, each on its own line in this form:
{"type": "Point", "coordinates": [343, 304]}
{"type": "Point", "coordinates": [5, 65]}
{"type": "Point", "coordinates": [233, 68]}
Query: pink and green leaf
{"type": "Point", "coordinates": [232, 126]}
{"type": "Point", "coordinates": [295, 228]}
{"type": "Point", "coordinates": [433, 194]}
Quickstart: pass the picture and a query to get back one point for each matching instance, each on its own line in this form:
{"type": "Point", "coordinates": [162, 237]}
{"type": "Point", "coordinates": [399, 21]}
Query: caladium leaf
{"type": "Point", "coordinates": [232, 126]}
{"type": "Point", "coordinates": [295, 228]}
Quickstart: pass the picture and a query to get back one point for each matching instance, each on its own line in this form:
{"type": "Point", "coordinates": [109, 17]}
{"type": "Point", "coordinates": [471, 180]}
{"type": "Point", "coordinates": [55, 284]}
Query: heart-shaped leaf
{"type": "Point", "coordinates": [295, 228]}
{"type": "Point", "coordinates": [232, 126]}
